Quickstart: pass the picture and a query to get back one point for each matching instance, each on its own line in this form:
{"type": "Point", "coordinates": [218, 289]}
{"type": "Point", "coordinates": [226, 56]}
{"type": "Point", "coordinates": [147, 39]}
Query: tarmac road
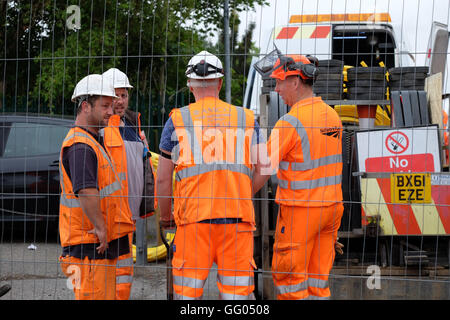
{"type": "Point", "coordinates": [36, 275]}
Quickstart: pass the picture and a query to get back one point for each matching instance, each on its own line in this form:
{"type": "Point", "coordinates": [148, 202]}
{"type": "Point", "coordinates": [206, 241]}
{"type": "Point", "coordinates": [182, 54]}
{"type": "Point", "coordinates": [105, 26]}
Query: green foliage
{"type": "Point", "coordinates": [241, 56]}
{"type": "Point", "coordinates": [149, 40]}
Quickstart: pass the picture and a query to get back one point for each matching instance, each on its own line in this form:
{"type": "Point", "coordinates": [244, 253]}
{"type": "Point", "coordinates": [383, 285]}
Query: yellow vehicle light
{"type": "Point", "coordinates": [354, 17]}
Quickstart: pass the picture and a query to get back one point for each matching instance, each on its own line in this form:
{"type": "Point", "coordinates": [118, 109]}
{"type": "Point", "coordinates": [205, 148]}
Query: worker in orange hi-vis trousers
{"type": "Point", "coordinates": [133, 159]}
{"type": "Point", "coordinates": [306, 147]}
{"type": "Point", "coordinates": [213, 148]}
{"type": "Point", "coordinates": [94, 217]}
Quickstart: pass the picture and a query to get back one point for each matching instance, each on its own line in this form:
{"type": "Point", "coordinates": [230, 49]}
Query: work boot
{"type": "Point", "coordinates": [4, 289]}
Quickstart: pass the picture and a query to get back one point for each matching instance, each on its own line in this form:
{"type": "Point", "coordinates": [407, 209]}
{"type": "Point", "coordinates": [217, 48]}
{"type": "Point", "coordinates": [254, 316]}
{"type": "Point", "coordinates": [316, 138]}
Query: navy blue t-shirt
{"type": "Point", "coordinates": [80, 162]}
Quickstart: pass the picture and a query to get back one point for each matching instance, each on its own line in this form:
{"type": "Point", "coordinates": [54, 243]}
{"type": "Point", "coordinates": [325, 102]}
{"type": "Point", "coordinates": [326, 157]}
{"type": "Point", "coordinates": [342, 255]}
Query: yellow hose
{"type": "Point", "coordinates": [158, 252]}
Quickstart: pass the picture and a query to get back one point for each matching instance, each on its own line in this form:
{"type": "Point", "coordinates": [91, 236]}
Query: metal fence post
{"type": "Point", "coordinates": [141, 242]}
{"type": "Point", "coordinates": [226, 33]}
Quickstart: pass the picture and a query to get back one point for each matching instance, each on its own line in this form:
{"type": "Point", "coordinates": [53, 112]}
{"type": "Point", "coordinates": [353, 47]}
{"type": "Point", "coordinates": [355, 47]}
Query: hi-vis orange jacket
{"type": "Point", "coordinates": [114, 142]}
{"type": "Point", "coordinates": [73, 223]}
{"type": "Point", "coordinates": [307, 145]}
{"type": "Point", "coordinates": [213, 162]}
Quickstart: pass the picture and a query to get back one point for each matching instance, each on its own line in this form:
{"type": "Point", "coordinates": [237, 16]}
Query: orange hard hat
{"type": "Point", "coordinates": [294, 65]}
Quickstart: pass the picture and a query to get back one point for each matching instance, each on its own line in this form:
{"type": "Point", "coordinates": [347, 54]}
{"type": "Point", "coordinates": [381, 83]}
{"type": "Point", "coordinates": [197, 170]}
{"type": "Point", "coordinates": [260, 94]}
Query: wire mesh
{"type": "Point", "coordinates": [384, 58]}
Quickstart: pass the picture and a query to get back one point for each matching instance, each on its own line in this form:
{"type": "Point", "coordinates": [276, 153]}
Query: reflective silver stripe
{"type": "Point", "coordinates": [317, 283]}
{"type": "Point", "coordinates": [122, 176]}
{"type": "Point", "coordinates": [124, 279]}
{"type": "Point", "coordinates": [106, 191]}
{"type": "Point", "coordinates": [301, 131]}
{"type": "Point", "coordinates": [316, 183]}
{"type": "Point", "coordinates": [189, 127]}
{"type": "Point", "coordinates": [188, 282]}
{"type": "Point", "coordinates": [284, 165]}
{"type": "Point", "coordinates": [105, 155]}
{"type": "Point", "coordinates": [176, 153]}
{"type": "Point", "coordinates": [204, 168]}
{"type": "Point", "coordinates": [195, 145]}
{"type": "Point", "coordinates": [308, 163]}
{"type": "Point", "coordinates": [124, 263]}
{"type": "Point", "coordinates": [232, 296]}
{"type": "Point", "coordinates": [240, 135]}
{"type": "Point", "coordinates": [110, 189]}
{"type": "Point", "coordinates": [302, 166]}
{"type": "Point", "coordinates": [284, 184]}
{"type": "Point", "coordinates": [70, 203]}
{"type": "Point", "coordinates": [241, 281]}
{"type": "Point", "coordinates": [292, 288]}
{"type": "Point", "coordinates": [177, 296]}
{"type": "Point", "coordinates": [312, 297]}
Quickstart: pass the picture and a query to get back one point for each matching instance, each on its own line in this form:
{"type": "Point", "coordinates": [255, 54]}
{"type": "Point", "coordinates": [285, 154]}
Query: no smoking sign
{"type": "Point", "coordinates": [399, 150]}
{"type": "Point", "coordinates": [397, 142]}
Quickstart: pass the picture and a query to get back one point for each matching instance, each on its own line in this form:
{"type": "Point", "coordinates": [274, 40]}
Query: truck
{"type": "Point", "coordinates": [368, 72]}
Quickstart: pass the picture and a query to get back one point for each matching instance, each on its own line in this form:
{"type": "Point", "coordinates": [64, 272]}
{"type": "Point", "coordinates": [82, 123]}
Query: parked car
{"type": "Point", "coordinates": [29, 161]}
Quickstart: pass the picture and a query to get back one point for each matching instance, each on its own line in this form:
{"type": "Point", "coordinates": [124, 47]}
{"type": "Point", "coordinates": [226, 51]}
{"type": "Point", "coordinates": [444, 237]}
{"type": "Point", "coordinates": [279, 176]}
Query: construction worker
{"type": "Point", "coordinates": [94, 218]}
{"type": "Point", "coordinates": [212, 147]}
{"type": "Point", "coordinates": [134, 160]}
{"type": "Point", "coordinates": [305, 147]}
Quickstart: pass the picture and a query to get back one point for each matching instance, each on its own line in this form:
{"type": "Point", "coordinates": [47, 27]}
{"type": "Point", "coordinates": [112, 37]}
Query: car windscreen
{"type": "Point", "coordinates": [32, 139]}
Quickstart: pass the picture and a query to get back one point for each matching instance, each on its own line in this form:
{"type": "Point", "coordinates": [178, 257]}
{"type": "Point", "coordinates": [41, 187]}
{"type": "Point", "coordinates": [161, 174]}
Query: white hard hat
{"type": "Point", "coordinates": [94, 85]}
{"type": "Point", "coordinates": [119, 79]}
{"type": "Point", "coordinates": [204, 65]}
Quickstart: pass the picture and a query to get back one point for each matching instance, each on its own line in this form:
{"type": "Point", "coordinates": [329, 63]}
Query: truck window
{"type": "Point", "coordinates": [356, 43]}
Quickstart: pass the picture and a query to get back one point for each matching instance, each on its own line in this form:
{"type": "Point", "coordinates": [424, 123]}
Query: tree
{"type": "Point", "coordinates": [150, 40]}
{"type": "Point", "coordinates": [241, 56]}
{"type": "Point", "coordinates": [22, 34]}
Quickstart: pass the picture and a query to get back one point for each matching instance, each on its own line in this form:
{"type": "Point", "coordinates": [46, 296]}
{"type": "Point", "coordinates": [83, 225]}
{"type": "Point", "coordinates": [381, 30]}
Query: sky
{"type": "Point", "coordinates": [414, 17]}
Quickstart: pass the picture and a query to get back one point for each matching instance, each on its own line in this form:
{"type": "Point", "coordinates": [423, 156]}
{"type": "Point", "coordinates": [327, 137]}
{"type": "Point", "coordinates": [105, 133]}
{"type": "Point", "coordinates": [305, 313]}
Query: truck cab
{"type": "Point", "coordinates": [358, 40]}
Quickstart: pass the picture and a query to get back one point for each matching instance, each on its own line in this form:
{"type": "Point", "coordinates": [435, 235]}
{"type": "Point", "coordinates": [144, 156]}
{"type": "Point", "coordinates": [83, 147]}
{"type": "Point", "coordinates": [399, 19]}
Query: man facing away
{"type": "Point", "coordinates": [94, 218]}
{"type": "Point", "coordinates": [212, 146]}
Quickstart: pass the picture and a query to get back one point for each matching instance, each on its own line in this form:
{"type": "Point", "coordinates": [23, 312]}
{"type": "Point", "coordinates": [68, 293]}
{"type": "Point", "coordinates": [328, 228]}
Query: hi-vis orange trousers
{"type": "Point", "coordinates": [303, 252]}
{"type": "Point", "coordinates": [198, 245]}
{"type": "Point", "coordinates": [124, 273]}
{"type": "Point", "coordinates": [90, 279]}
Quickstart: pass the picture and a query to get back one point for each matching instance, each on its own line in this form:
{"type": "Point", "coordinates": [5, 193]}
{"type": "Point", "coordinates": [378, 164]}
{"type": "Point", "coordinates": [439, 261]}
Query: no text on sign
{"type": "Point", "coordinates": [411, 188]}
{"type": "Point", "coordinates": [397, 142]}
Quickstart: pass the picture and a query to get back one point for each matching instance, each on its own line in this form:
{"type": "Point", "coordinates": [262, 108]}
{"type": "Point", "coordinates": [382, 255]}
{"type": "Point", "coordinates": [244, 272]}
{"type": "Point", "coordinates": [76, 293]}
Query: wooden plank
{"type": "Point", "coordinates": [423, 106]}
{"type": "Point", "coordinates": [407, 112]}
{"type": "Point", "coordinates": [433, 87]}
{"type": "Point", "coordinates": [414, 99]}
{"type": "Point", "coordinates": [396, 109]}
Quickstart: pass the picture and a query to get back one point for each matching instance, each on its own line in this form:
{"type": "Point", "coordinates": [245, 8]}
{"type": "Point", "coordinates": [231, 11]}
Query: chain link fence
{"type": "Point", "coordinates": [382, 66]}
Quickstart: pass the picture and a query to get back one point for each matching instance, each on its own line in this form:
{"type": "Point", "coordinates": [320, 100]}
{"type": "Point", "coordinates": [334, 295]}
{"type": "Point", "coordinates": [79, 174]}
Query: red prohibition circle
{"type": "Point", "coordinates": [397, 142]}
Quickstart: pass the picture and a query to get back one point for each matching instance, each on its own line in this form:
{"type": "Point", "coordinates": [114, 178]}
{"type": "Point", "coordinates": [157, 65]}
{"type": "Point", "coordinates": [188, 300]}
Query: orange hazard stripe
{"type": "Point", "coordinates": [402, 214]}
{"type": "Point", "coordinates": [287, 33]}
{"type": "Point", "coordinates": [441, 197]}
{"type": "Point", "coordinates": [321, 32]}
